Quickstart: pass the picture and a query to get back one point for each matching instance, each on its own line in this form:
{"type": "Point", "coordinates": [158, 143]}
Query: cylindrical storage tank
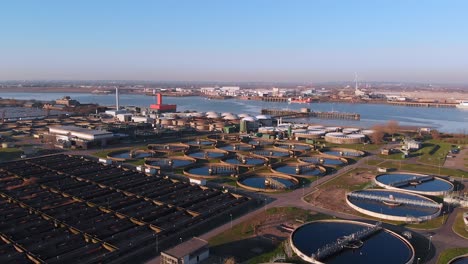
{"type": "Point", "coordinates": [230, 117]}
{"type": "Point", "coordinates": [265, 120]}
{"type": "Point", "coordinates": [367, 132]}
{"type": "Point", "coordinates": [350, 130]}
{"type": "Point", "coordinates": [243, 115]}
{"type": "Point", "coordinates": [212, 116]}
{"type": "Point", "coordinates": [332, 129]}
{"type": "Point", "coordinates": [316, 127]}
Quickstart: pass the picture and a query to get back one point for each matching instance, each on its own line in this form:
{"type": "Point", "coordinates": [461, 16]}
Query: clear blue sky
{"type": "Point", "coordinates": [241, 40]}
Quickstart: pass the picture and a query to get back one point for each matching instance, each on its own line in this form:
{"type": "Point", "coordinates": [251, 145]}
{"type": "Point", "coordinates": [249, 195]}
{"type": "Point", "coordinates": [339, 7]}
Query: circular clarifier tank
{"type": "Point", "coordinates": [212, 170]}
{"type": "Point", "coordinates": [339, 152]}
{"type": "Point", "coordinates": [267, 182]}
{"type": "Point", "coordinates": [413, 182]}
{"type": "Point", "coordinates": [236, 147]}
{"type": "Point", "coordinates": [328, 161]}
{"type": "Point", "coordinates": [207, 154]}
{"type": "Point", "coordinates": [123, 155]}
{"type": "Point", "coordinates": [201, 142]}
{"type": "Point", "coordinates": [271, 153]}
{"type": "Point", "coordinates": [171, 147]}
{"type": "Point", "coordinates": [343, 242]}
{"type": "Point", "coordinates": [171, 162]}
{"type": "Point", "coordinates": [245, 160]}
{"type": "Point", "coordinates": [260, 142]}
{"type": "Point", "coordinates": [292, 146]}
{"type": "Point", "coordinates": [300, 169]}
{"type": "Point", "coordinates": [459, 260]}
{"type": "Point", "coordinates": [393, 205]}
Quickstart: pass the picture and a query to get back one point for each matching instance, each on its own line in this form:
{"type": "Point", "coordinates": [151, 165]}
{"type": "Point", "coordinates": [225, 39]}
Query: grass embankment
{"type": "Point", "coordinates": [459, 226]}
{"type": "Point", "coordinates": [7, 154]}
{"type": "Point", "coordinates": [362, 147]}
{"type": "Point", "coordinates": [449, 254]}
{"type": "Point", "coordinates": [347, 184]}
{"type": "Point", "coordinates": [421, 168]}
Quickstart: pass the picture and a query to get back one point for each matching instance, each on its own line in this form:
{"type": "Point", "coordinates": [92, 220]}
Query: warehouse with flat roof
{"type": "Point", "coordinates": [74, 136]}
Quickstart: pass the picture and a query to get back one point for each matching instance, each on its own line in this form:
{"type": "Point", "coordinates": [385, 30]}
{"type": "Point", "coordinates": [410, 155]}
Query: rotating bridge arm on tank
{"type": "Point", "coordinates": [342, 242]}
{"type": "Point", "coordinates": [275, 183]}
{"type": "Point", "coordinates": [415, 179]}
{"type": "Point", "coordinates": [381, 198]}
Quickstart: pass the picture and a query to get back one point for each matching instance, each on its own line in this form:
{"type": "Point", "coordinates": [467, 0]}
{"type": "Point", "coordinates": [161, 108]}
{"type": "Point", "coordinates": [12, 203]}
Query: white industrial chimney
{"type": "Point", "coordinates": [117, 101]}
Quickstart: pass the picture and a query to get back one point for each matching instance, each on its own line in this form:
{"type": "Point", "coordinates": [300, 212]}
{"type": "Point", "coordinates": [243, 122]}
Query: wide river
{"type": "Point", "coordinates": [451, 120]}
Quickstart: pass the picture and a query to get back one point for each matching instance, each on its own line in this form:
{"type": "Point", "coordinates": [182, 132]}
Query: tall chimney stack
{"type": "Point", "coordinates": [159, 99]}
{"type": "Point", "coordinates": [117, 101]}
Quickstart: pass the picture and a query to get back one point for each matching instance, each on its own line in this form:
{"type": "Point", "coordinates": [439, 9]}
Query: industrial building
{"type": "Point", "coordinates": [77, 136]}
{"type": "Point", "coordinates": [192, 251]}
{"type": "Point", "coordinates": [162, 108]}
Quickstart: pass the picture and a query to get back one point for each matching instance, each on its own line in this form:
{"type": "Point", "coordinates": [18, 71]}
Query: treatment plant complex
{"type": "Point", "coordinates": [129, 185]}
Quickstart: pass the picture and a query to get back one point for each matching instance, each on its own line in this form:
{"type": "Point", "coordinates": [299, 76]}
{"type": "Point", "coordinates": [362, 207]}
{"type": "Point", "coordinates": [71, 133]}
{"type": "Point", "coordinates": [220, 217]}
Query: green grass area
{"type": "Point", "coordinates": [431, 224]}
{"type": "Point", "coordinates": [394, 156]}
{"type": "Point", "coordinates": [451, 253]}
{"type": "Point", "coordinates": [421, 168]}
{"type": "Point", "coordinates": [104, 153]}
{"type": "Point", "coordinates": [263, 258]}
{"type": "Point", "coordinates": [362, 147]}
{"type": "Point", "coordinates": [246, 229]}
{"type": "Point", "coordinates": [337, 180]}
{"type": "Point", "coordinates": [7, 154]}
{"type": "Point", "coordinates": [433, 152]}
{"type": "Point", "coordinates": [232, 181]}
{"type": "Point", "coordinates": [138, 162]}
{"type": "Point", "coordinates": [459, 226]}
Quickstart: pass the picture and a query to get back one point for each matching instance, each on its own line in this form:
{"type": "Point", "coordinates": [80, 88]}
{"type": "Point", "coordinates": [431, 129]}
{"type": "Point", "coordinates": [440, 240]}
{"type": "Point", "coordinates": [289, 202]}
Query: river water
{"type": "Point", "coordinates": [451, 120]}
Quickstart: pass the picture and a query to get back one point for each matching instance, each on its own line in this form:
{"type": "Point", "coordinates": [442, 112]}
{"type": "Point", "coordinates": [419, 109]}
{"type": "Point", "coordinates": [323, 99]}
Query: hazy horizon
{"type": "Point", "coordinates": [239, 41]}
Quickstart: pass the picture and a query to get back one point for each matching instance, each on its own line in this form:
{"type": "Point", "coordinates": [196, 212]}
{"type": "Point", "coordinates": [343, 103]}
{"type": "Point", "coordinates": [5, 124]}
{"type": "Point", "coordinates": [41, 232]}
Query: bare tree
{"type": "Point", "coordinates": [392, 127]}
{"type": "Point", "coordinates": [435, 134]}
{"type": "Point", "coordinates": [377, 136]}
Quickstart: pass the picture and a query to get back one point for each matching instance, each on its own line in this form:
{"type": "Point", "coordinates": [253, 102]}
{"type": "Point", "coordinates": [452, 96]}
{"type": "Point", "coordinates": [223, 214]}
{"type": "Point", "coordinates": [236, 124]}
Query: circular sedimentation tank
{"type": "Point", "coordinates": [207, 154]}
{"type": "Point", "coordinates": [343, 138]}
{"type": "Point", "coordinates": [123, 155]}
{"type": "Point", "coordinates": [393, 205]}
{"type": "Point", "coordinates": [213, 170]}
{"type": "Point", "coordinates": [245, 160]}
{"type": "Point", "coordinates": [293, 146]}
{"type": "Point", "coordinates": [415, 183]}
{"type": "Point", "coordinates": [260, 142]}
{"type": "Point", "coordinates": [300, 169]}
{"type": "Point", "coordinates": [343, 152]}
{"type": "Point", "coordinates": [201, 142]}
{"type": "Point", "coordinates": [459, 260]}
{"type": "Point", "coordinates": [267, 182]}
{"type": "Point", "coordinates": [170, 162]}
{"type": "Point", "coordinates": [328, 161]}
{"type": "Point", "coordinates": [272, 153]}
{"type": "Point", "coordinates": [170, 147]}
{"type": "Point", "coordinates": [343, 242]}
{"type": "Point", "coordinates": [236, 147]}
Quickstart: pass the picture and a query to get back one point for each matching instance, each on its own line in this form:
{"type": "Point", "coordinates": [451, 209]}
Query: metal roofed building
{"type": "Point", "coordinates": [78, 136]}
{"type": "Point", "coordinates": [192, 251]}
